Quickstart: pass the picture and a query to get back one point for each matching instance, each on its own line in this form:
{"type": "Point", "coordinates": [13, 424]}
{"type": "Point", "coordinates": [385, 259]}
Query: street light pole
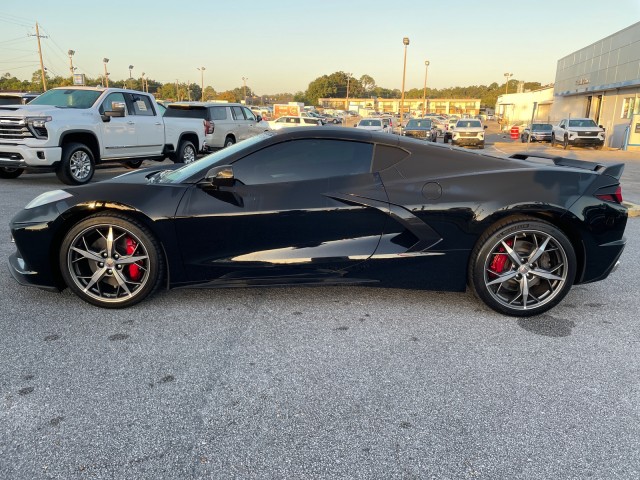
{"type": "Point", "coordinates": [506, 85]}
{"type": "Point", "coordinates": [142, 82]}
{"type": "Point", "coordinates": [424, 94]}
{"type": "Point", "coordinates": [71, 67]}
{"type": "Point", "coordinates": [202, 69]}
{"type": "Point", "coordinates": [244, 89]}
{"type": "Point", "coordinates": [405, 41]}
{"type": "Point", "coordinates": [106, 74]}
{"type": "Point", "coordinates": [130, 77]}
{"type": "Point", "coordinates": [346, 102]}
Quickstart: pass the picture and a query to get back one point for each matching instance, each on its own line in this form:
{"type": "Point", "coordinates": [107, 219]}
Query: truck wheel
{"type": "Point", "coordinates": [228, 142]}
{"type": "Point", "coordinates": [10, 172]}
{"type": "Point", "coordinates": [77, 165]}
{"type": "Point", "coordinates": [599, 147]}
{"type": "Point", "coordinates": [186, 152]}
{"type": "Point", "coordinates": [565, 143]}
{"type": "Point", "coordinates": [553, 140]}
{"type": "Point", "coordinates": [133, 164]}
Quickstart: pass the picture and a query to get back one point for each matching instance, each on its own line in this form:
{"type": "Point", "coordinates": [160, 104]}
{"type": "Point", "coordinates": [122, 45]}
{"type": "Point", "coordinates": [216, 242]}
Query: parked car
{"type": "Point", "coordinates": [539, 132]}
{"type": "Point", "coordinates": [332, 118]}
{"type": "Point", "coordinates": [468, 132]}
{"type": "Point", "coordinates": [374, 125]}
{"type": "Point", "coordinates": [331, 205]}
{"type": "Point", "coordinates": [225, 123]}
{"type": "Point", "coordinates": [289, 121]}
{"type": "Point", "coordinates": [69, 130]}
{"type": "Point", "coordinates": [578, 132]}
{"type": "Point", "coordinates": [422, 128]}
{"type": "Point", "coordinates": [451, 122]}
{"type": "Point", "coordinates": [17, 98]}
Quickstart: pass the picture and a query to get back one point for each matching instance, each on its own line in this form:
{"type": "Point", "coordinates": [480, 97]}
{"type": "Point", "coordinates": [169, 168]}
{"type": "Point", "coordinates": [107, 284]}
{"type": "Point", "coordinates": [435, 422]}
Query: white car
{"type": "Point", "coordinates": [374, 125]}
{"type": "Point", "coordinates": [468, 131]}
{"type": "Point", "coordinates": [294, 121]}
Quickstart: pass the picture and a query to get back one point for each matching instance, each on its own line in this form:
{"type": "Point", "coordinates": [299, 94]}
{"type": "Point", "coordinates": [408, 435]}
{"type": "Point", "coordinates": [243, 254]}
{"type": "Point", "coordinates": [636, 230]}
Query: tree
{"type": "Point", "coordinates": [368, 83]}
{"type": "Point", "coordinates": [209, 94]}
{"type": "Point", "coordinates": [229, 96]}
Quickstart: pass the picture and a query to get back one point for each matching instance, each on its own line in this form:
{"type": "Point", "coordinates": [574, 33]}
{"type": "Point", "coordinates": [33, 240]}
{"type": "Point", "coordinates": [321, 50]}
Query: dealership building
{"type": "Point", "coordinates": [600, 81]}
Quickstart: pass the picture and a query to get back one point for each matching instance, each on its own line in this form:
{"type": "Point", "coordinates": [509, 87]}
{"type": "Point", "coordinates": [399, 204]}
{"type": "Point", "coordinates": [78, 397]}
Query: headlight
{"type": "Point", "coordinates": [38, 126]}
{"type": "Point", "coordinates": [48, 197]}
{"type": "Point", "coordinates": [481, 135]}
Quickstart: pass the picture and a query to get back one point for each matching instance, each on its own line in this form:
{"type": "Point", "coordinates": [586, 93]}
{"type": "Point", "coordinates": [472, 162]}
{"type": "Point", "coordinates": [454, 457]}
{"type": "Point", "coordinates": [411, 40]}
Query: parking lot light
{"type": "Point", "coordinates": [405, 41]}
{"type": "Point", "coordinates": [424, 93]}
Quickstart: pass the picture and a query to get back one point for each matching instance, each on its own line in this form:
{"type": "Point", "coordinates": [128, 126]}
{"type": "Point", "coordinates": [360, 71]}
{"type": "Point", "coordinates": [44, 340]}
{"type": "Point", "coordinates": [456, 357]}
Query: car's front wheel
{"type": "Point", "coordinates": [522, 266]}
{"type": "Point", "coordinates": [565, 142]}
{"type": "Point", "coordinates": [77, 165]}
{"type": "Point", "coordinates": [10, 172]}
{"type": "Point", "coordinates": [111, 261]}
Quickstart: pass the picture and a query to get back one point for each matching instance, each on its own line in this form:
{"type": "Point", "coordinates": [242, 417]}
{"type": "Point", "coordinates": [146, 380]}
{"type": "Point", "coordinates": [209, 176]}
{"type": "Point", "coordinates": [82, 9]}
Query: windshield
{"type": "Point", "coordinates": [587, 122]}
{"type": "Point", "coordinates": [542, 127]}
{"type": "Point", "coordinates": [370, 123]}
{"type": "Point", "coordinates": [468, 124]}
{"type": "Point", "coordinates": [419, 124]}
{"type": "Point", "coordinates": [216, 158]}
{"type": "Point", "coordinates": [68, 98]}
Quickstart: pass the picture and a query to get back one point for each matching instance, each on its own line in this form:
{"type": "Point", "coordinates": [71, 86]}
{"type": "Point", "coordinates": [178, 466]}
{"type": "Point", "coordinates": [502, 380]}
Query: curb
{"type": "Point", "coordinates": [632, 208]}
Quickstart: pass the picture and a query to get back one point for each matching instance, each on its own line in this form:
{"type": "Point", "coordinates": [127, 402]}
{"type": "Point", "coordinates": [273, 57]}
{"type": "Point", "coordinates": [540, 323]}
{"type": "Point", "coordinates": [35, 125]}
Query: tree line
{"type": "Point", "coordinates": [335, 85]}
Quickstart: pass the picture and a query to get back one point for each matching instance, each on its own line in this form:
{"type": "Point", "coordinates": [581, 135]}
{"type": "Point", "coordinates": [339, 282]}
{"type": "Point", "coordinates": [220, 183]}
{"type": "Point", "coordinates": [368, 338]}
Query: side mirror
{"type": "Point", "coordinates": [117, 110]}
{"type": "Point", "coordinates": [486, 126]}
{"type": "Point", "coordinates": [259, 118]}
{"type": "Point", "coordinates": [220, 176]}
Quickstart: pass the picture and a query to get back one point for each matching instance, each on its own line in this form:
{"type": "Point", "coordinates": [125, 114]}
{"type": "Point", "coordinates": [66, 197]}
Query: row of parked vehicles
{"type": "Point", "coordinates": [569, 132]}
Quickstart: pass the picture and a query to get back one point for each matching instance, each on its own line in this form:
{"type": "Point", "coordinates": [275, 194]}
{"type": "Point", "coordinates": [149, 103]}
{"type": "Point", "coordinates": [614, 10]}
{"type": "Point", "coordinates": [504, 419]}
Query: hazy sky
{"type": "Point", "coordinates": [283, 45]}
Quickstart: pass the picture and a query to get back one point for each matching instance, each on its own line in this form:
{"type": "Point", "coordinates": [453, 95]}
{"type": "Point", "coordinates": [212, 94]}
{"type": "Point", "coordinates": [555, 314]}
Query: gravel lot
{"type": "Point", "coordinates": [324, 382]}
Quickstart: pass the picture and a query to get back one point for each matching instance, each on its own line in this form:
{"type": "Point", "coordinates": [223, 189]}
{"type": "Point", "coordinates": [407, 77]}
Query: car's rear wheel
{"type": "Point", "coordinates": [133, 164]}
{"type": "Point", "coordinates": [599, 147]}
{"type": "Point", "coordinates": [186, 153]}
{"type": "Point", "coordinates": [522, 267]}
{"type": "Point", "coordinates": [229, 141]}
{"type": "Point", "coordinates": [111, 261]}
{"type": "Point", "coordinates": [77, 165]}
{"type": "Point", "coordinates": [10, 172]}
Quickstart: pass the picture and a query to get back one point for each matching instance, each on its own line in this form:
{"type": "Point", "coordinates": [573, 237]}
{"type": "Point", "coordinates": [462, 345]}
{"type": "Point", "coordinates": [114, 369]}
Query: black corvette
{"type": "Point", "coordinates": [331, 206]}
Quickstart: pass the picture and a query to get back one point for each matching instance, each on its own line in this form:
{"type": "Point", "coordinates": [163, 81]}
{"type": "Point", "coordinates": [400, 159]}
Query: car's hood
{"type": "Point", "coordinates": [35, 110]}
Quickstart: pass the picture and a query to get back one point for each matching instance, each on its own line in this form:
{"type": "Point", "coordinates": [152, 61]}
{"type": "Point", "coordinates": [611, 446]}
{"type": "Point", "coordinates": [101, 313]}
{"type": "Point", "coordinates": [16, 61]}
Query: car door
{"type": "Point", "coordinates": [148, 125]}
{"type": "Point", "coordinates": [240, 123]}
{"type": "Point", "coordinates": [252, 126]}
{"type": "Point", "coordinates": [119, 137]}
{"type": "Point", "coordinates": [307, 206]}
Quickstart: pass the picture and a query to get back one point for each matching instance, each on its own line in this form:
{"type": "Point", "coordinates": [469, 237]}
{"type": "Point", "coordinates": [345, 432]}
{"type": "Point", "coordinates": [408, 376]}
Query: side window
{"type": "Point", "coordinates": [112, 98]}
{"type": "Point", "coordinates": [300, 160]}
{"type": "Point", "coordinates": [249, 114]}
{"type": "Point", "coordinates": [386, 156]}
{"type": "Point", "coordinates": [311, 121]}
{"type": "Point", "coordinates": [281, 120]}
{"type": "Point", "coordinates": [218, 113]}
{"type": "Point", "coordinates": [142, 105]}
{"type": "Point", "coordinates": [237, 113]}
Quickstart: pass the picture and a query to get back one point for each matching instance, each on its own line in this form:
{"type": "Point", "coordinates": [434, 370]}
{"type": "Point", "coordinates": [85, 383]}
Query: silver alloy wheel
{"type": "Point", "coordinates": [108, 263]}
{"type": "Point", "coordinates": [526, 270]}
{"type": "Point", "coordinates": [189, 154]}
{"type": "Point", "coordinates": [80, 165]}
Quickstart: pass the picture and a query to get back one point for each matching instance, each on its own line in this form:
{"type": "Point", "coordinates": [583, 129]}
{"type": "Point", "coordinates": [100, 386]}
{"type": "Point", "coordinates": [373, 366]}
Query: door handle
{"type": "Point", "coordinates": [158, 123]}
{"type": "Point", "coordinates": [130, 123]}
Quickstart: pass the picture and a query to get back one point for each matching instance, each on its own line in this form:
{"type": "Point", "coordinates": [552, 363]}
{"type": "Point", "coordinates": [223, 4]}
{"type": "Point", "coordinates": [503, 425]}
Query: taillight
{"type": "Point", "coordinates": [208, 127]}
{"type": "Point", "coordinates": [610, 196]}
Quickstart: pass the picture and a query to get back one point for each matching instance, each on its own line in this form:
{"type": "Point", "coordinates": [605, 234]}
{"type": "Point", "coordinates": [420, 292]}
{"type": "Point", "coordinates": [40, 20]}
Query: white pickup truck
{"type": "Point", "coordinates": [71, 129]}
{"type": "Point", "coordinates": [578, 131]}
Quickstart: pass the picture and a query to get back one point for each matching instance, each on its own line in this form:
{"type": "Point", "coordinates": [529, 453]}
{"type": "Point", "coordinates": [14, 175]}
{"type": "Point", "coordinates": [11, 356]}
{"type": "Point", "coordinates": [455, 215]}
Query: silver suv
{"type": "Point", "coordinates": [224, 123]}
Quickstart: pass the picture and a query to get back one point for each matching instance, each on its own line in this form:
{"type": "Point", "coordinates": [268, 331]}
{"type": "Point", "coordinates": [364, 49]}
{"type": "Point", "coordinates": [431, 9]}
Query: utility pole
{"type": "Point", "coordinates": [38, 36]}
{"type": "Point", "coordinates": [346, 102]}
{"type": "Point", "coordinates": [202, 69]}
{"type": "Point", "coordinates": [244, 89]}
{"type": "Point", "coordinates": [106, 74]}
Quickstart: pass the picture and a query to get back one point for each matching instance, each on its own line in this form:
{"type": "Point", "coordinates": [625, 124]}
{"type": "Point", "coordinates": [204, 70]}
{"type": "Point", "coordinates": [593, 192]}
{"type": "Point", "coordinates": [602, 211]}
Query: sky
{"type": "Point", "coordinates": [283, 45]}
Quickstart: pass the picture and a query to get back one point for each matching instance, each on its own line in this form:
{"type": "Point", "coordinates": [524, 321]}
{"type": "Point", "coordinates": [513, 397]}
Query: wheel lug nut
{"type": "Point", "coordinates": [101, 264]}
{"type": "Point", "coordinates": [109, 271]}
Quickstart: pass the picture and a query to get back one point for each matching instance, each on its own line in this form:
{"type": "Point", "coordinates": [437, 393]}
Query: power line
{"type": "Point", "coordinates": [15, 22]}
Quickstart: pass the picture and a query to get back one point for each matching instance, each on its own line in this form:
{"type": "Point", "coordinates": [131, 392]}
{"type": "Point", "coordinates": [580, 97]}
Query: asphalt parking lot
{"type": "Point", "coordinates": [325, 382]}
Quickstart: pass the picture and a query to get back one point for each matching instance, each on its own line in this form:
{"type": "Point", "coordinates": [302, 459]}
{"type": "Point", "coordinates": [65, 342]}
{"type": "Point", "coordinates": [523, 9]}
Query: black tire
{"type": "Point", "coordinates": [186, 152]}
{"type": "Point", "coordinates": [133, 164]}
{"type": "Point", "coordinates": [522, 139]}
{"type": "Point", "coordinates": [565, 143]}
{"type": "Point", "coordinates": [10, 172]}
{"type": "Point", "coordinates": [86, 255]}
{"type": "Point", "coordinates": [229, 141]}
{"type": "Point", "coordinates": [77, 165]}
{"type": "Point", "coordinates": [599, 147]}
{"type": "Point", "coordinates": [553, 140]}
{"type": "Point", "coordinates": [522, 266]}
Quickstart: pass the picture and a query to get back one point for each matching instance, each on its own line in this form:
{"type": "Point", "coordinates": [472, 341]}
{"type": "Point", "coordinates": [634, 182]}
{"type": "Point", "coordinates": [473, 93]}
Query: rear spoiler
{"type": "Point", "coordinates": [614, 170]}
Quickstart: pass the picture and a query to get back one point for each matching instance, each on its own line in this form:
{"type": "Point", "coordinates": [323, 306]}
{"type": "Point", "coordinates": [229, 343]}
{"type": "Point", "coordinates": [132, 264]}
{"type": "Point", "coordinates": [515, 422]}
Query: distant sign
{"type": "Point", "coordinates": [78, 79]}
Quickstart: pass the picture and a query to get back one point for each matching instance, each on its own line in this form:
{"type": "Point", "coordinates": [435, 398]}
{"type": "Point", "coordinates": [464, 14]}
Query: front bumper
{"type": "Point", "coordinates": [21, 156]}
{"type": "Point", "coordinates": [536, 137]}
{"type": "Point", "coordinates": [468, 141]}
{"type": "Point", "coordinates": [586, 141]}
{"type": "Point", "coordinates": [27, 277]}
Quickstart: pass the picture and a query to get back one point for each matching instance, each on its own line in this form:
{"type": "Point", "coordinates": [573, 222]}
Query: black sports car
{"type": "Point", "coordinates": [329, 206]}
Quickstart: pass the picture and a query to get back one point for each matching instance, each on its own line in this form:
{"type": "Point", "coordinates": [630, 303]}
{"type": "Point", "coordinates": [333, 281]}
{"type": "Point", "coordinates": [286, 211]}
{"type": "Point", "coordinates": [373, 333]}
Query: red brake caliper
{"type": "Point", "coordinates": [134, 270]}
{"type": "Point", "coordinates": [499, 261]}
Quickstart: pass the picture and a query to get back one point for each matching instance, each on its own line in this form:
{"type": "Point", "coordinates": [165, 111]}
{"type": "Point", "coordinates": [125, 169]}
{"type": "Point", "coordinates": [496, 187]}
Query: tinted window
{"type": "Point", "coordinates": [68, 98]}
{"type": "Point", "coordinates": [237, 113]}
{"type": "Point", "coordinates": [311, 121]}
{"type": "Point", "coordinates": [419, 124]}
{"type": "Point", "coordinates": [142, 105]}
{"type": "Point", "coordinates": [583, 123]}
{"type": "Point", "coordinates": [307, 159]}
{"type": "Point", "coordinates": [218, 113]}
{"type": "Point", "coordinates": [186, 112]}
{"type": "Point", "coordinates": [386, 156]}
{"type": "Point", "coordinates": [370, 123]}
